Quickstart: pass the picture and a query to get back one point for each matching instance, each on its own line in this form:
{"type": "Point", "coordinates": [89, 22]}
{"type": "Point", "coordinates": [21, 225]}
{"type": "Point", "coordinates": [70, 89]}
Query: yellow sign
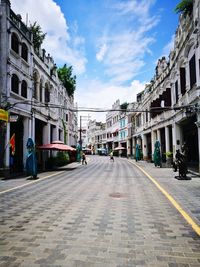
{"type": "Point", "coordinates": [3, 115]}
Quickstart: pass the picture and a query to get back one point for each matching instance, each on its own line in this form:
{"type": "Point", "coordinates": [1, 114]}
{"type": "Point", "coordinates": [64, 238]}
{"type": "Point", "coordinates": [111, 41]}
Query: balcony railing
{"type": "Point", "coordinates": [20, 25]}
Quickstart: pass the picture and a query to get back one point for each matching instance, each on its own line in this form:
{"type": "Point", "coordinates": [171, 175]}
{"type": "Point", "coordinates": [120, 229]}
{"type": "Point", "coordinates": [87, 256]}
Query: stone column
{"type": "Point", "coordinates": [153, 140]}
{"type": "Point", "coordinates": [167, 139]}
{"type": "Point", "coordinates": [176, 137]}
{"type": "Point", "coordinates": [46, 134]}
{"type": "Point", "coordinates": [128, 147]}
{"type": "Point", "coordinates": [158, 136]}
{"type": "Point", "coordinates": [134, 144]}
{"type": "Point", "coordinates": [7, 148]}
{"type": "Point", "coordinates": [144, 148]}
{"type": "Point", "coordinates": [26, 124]}
{"type": "Point", "coordinates": [33, 127]}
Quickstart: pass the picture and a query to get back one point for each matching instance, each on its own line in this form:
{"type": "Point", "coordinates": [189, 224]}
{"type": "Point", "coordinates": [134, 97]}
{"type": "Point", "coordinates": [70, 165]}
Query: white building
{"type": "Point", "coordinates": [176, 86]}
{"type": "Point", "coordinates": [30, 89]}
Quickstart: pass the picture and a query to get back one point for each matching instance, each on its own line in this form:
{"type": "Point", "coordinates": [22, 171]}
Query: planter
{"type": "Point", "coordinates": [169, 162]}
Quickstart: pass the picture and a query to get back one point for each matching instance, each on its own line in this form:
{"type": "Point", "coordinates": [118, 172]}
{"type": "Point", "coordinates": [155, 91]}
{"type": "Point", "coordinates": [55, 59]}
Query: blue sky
{"type": "Point", "coordinates": [113, 45]}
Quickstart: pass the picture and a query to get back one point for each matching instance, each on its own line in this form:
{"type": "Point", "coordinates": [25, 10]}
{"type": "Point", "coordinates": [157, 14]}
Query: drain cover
{"type": "Point", "coordinates": [118, 195]}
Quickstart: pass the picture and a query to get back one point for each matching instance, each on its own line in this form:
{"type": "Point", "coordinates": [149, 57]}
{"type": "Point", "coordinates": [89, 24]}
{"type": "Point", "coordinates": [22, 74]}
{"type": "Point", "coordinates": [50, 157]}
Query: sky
{"type": "Point", "coordinates": [112, 45]}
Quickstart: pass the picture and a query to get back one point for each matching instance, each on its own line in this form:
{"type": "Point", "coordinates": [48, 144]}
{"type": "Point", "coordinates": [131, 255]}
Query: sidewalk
{"type": "Point", "coordinates": [185, 192]}
{"type": "Point", "coordinates": [6, 184]}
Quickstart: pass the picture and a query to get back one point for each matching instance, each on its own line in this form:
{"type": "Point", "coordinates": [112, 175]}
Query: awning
{"type": "Point", "coordinates": [119, 148]}
{"type": "Point", "coordinates": [56, 146]}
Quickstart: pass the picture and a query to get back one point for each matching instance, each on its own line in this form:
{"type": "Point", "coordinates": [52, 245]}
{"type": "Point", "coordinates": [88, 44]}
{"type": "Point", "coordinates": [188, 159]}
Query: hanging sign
{"type": "Point", "coordinates": [3, 115]}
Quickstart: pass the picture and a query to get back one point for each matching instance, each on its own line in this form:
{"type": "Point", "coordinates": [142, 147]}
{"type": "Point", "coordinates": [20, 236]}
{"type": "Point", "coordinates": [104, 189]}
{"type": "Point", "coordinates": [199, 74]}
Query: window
{"type": "Point", "coordinates": [138, 120]}
{"type": "Point", "coordinates": [15, 43]}
{"type": "Point", "coordinates": [25, 52]}
{"type": "Point", "coordinates": [176, 91]}
{"type": "Point", "coordinates": [47, 94]}
{"type": "Point", "coordinates": [15, 84]}
{"type": "Point", "coordinates": [35, 89]}
{"type": "Point", "coordinates": [182, 80]}
{"type": "Point", "coordinates": [192, 66]}
{"type": "Point", "coordinates": [41, 91]}
{"type": "Point", "coordinates": [146, 113]}
{"type": "Point", "coordinates": [35, 83]}
{"type": "Point", "coordinates": [24, 89]}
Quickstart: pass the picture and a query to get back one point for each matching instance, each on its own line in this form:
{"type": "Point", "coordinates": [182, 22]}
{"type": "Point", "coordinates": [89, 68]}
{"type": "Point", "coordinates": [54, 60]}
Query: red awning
{"type": "Point", "coordinates": [60, 146]}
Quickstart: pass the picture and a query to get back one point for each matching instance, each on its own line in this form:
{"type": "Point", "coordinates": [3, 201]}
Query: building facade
{"type": "Point", "coordinates": [168, 109]}
{"type": "Point", "coordinates": [172, 97]}
{"type": "Point", "coordinates": [31, 92]}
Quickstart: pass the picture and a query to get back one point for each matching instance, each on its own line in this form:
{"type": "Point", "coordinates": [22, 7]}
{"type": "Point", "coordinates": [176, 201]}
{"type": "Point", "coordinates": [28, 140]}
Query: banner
{"type": "Point", "coordinates": [3, 115]}
{"type": "Point", "coordinates": [12, 143]}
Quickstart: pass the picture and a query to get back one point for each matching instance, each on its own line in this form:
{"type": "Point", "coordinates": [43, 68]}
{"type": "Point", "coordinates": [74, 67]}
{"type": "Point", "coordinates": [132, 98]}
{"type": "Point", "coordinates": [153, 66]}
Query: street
{"type": "Point", "coordinates": [104, 214]}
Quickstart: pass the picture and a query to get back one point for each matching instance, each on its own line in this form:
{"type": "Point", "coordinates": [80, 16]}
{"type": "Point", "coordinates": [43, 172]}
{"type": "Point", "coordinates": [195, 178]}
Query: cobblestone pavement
{"type": "Point", "coordinates": [104, 214]}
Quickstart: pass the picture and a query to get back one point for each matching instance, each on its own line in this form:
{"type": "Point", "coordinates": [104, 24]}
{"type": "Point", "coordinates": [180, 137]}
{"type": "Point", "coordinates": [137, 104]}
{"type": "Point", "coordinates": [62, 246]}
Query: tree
{"type": "Point", "coordinates": [69, 81]}
{"type": "Point", "coordinates": [185, 7]}
{"type": "Point", "coordinates": [38, 35]}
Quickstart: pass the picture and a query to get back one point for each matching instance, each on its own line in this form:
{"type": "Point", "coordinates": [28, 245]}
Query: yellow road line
{"type": "Point", "coordinates": [195, 226]}
{"type": "Point", "coordinates": [29, 183]}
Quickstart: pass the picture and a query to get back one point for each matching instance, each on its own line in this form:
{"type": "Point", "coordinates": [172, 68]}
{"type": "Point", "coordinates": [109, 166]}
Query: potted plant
{"type": "Point", "coordinates": [169, 158]}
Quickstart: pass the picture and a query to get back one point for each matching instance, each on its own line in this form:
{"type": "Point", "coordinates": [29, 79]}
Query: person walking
{"type": "Point", "coordinates": [84, 159]}
{"type": "Point", "coordinates": [111, 156]}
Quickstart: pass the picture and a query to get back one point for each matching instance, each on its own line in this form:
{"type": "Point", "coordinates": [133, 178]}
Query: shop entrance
{"type": "Point", "coordinates": [190, 137]}
{"type": "Point", "coordinates": [16, 162]}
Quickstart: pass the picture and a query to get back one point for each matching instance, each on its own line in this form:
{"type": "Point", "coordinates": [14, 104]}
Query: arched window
{"type": "Point", "coordinates": [24, 89]}
{"type": "Point", "coordinates": [15, 43]}
{"type": "Point", "coordinates": [41, 90]}
{"type": "Point", "coordinates": [24, 52]}
{"type": "Point", "coordinates": [47, 94]}
{"type": "Point", "coordinates": [35, 84]}
{"type": "Point", "coordinates": [15, 84]}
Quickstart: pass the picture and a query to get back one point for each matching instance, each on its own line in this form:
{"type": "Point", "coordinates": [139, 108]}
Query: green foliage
{"type": "Point", "coordinates": [69, 81]}
{"type": "Point", "coordinates": [185, 7]}
{"type": "Point", "coordinates": [38, 35]}
{"type": "Point", "coordinates": [62, 158]}
{"type": "Point", "coordinates": [169, 154]}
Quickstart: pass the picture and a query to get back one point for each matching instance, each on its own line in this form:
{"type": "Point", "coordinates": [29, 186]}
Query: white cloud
{"type": "Point", "coordinates": [128, 43]}
{"type": "Point", "coordinates": [102, 51]}
{"type": "Point", "coordinates": [94, 93]}
{"type": "Point", "coordinates": [63, 46]}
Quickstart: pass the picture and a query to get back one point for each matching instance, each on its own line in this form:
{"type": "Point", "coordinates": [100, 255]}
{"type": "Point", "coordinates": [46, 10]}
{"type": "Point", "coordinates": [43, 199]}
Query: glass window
{"type": "Point", "coordinates": [25, 52]}
{"type": "Point", "coordinates": [15, 43]}
{"type": "Point", "coordinates": [15, 84]}
{"type": "Point", "coordinates": [41, 91]}
{"type": "Point", "coordinates": [192, 65]}
{"type": "Point", "coordinates": [176, 91]}
{"type": "Point", "coordinates": [24, 89]}
{"type": "Point", "coordinates": [47, 94]}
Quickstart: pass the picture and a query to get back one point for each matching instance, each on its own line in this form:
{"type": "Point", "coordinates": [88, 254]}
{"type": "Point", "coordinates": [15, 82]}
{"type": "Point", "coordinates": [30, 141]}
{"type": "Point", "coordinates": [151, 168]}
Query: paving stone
{"type": "Point", "coordinates": [73, 220]}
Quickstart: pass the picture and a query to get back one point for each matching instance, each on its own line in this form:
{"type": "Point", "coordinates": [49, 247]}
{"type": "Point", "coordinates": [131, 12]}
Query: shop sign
{"type": "Point", "coordinates": [3, 115]}
{"type": "Point", "coordinates": [13, 118]}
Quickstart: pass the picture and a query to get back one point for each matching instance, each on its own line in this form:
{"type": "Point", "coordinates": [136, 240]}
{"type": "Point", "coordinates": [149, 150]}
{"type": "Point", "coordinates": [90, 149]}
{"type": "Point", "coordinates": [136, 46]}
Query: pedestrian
{"type": "Point", "coordinates": [84, 159]}
{"type": "Point", "coordinates": [111, 156]}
